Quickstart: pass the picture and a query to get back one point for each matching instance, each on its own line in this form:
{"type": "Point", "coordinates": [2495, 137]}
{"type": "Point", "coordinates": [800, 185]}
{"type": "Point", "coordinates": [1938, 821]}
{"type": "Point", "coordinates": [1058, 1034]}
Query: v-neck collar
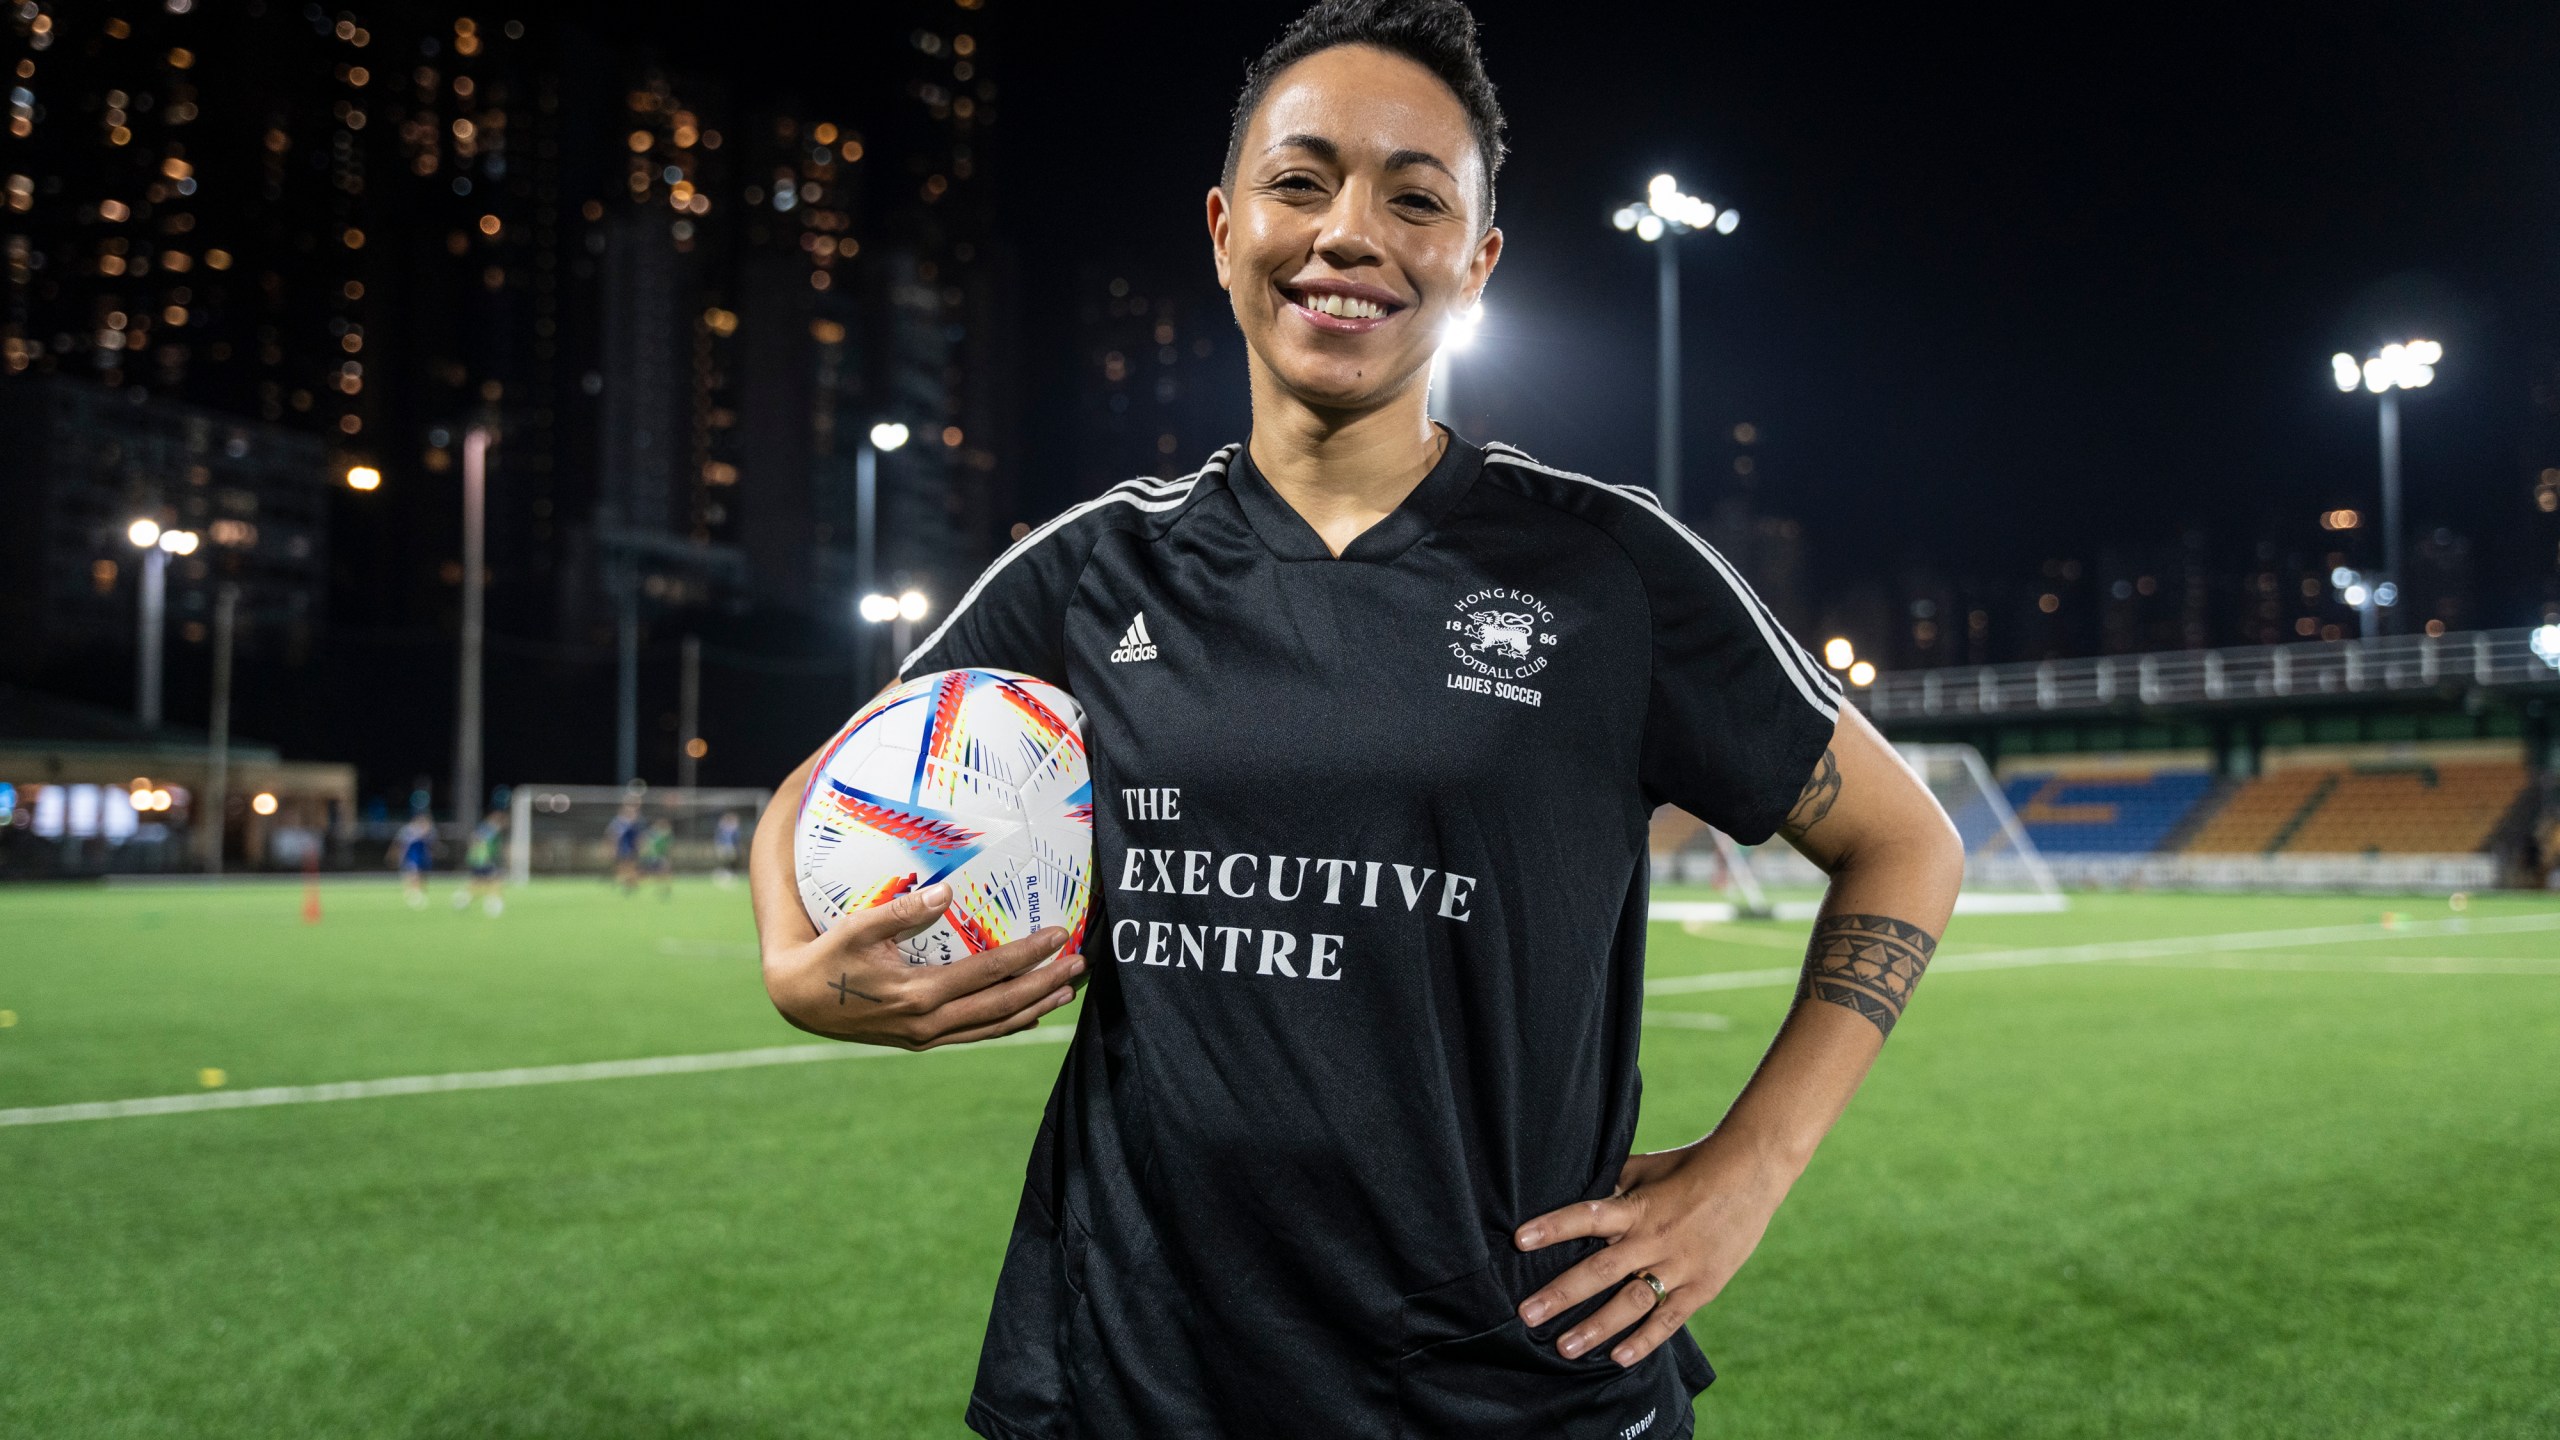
{"type": "Point", "coordinates": [1288, 536]}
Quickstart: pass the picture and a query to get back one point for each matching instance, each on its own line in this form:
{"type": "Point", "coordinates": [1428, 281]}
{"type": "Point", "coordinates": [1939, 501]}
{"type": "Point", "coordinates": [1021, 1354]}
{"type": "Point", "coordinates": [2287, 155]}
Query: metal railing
{"type": "Point", "coordinates": [2242, 674]}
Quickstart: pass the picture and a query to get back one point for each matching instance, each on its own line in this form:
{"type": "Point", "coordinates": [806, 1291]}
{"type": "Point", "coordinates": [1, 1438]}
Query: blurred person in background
{"type": "Point", "coordinates": [413, 850]}
{"type": "Point", "coordinates": [657, 856]}
{"type": "Point", "coordinates": [623, 834]}
{"type": "Point", "coordinates": [485, 884]}
{"type": "Point", "coordinates": [724, 849]}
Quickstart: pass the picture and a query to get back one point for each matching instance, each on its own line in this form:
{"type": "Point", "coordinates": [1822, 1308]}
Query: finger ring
{"type": "Point", "coordinates": [1655, 1281]}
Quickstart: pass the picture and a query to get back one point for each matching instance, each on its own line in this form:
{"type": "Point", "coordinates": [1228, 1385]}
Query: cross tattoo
{"type": "Point", "coordinates": [843, 986]}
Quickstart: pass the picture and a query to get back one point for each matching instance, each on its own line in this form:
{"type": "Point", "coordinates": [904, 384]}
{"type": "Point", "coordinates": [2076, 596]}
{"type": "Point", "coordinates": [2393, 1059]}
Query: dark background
{"type": "Point", "coordinates": [2023, 305]}
{"type": "Point", "coordinates": [2009, 287]}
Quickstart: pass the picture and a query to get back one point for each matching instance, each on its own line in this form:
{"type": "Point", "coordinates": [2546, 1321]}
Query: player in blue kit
{"type": "Point", "coordinates": [412, 849]}
{"type": "Point", "coordinates": [1377, 716]}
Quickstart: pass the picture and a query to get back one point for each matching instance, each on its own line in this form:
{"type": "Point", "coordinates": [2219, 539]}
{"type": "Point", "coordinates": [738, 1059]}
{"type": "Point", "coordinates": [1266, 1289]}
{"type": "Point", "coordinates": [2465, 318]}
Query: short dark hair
{"type": "Point", "coordinates": [1438, 35]}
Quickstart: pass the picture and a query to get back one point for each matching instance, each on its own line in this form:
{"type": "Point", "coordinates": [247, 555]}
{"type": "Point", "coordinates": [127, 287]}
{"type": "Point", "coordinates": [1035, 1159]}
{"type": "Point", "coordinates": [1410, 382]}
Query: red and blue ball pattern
{"type": "Point", "coordinates": [974, 777]}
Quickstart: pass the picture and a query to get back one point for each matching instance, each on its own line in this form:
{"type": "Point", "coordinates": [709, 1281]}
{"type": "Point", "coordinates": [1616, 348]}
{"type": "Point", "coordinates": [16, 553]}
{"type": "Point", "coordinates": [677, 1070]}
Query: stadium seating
{"type": "Point", "coordinates": [2115, 813]}
{"type": "Point", "coordinates": [2416, 809]}
{"type": "Point", "coordinates": [2254, 819]}
{"type": "Point", "coordinates": [2388, 808]}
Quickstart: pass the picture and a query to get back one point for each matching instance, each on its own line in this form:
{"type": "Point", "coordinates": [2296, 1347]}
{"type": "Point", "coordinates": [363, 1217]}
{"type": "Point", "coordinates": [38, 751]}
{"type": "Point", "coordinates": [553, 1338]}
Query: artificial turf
{"type": "Point", "coordinates": [2293, 1190]}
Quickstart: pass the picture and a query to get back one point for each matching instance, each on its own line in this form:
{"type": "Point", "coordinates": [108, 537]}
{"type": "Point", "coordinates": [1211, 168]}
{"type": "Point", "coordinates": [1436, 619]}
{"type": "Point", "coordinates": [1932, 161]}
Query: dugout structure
{"type": "Point", "coordinates": [568, 829]}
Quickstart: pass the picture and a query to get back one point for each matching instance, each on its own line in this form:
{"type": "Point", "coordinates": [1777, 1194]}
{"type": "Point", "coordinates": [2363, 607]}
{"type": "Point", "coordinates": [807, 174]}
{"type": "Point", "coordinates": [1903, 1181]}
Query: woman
{"type": "Point", "coordinates": [1378, 718]}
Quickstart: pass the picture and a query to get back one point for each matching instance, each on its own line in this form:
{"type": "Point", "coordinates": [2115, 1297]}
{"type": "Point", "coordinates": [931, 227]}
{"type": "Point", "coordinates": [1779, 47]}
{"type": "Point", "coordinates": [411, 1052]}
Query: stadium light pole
{"type": "Point", "coordinates": [217, 788]}
{"type": "Point", "coordinates": [1660, 219]}
{"type": "Point", "coordinates": [689, 748]}
{"type": "Point", "coordinates": [2404, 365]}
{"type": "Point", "coordinates": [885, 436]}
{"type": "Point", "coordinates": [475, 584]}
{"type": "Point", "coordinates": [156, 545]}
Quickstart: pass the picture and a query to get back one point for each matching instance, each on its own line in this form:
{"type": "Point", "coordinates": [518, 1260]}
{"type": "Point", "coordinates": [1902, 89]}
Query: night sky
{"type": "Point", "coordinates": [2007, 288]}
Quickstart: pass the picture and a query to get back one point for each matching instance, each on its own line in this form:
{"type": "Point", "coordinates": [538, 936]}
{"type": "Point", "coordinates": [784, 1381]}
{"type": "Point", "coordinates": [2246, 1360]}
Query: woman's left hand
{"type": "Point", "coordinates": [1689, 1217]}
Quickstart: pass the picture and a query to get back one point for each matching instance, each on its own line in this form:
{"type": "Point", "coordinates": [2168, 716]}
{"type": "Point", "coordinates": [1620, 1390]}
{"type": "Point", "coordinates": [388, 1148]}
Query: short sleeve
{"type": "Point", "coordinates": [1738, 714]}
{"type": "Point", "coordinates": [1014, 616]}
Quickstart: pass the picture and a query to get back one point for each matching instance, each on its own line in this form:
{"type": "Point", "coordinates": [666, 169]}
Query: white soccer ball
{"type": "Point", "coordinates": [974, 777]}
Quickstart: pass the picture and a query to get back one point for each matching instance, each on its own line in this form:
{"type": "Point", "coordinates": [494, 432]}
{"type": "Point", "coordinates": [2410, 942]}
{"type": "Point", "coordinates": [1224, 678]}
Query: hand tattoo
{"type": "Point", "coordinates": [1868, 963]}
{"type": "Point", "coordinates": [845, 991]}
{"type": "Point", "coordinates": [1817, 797]}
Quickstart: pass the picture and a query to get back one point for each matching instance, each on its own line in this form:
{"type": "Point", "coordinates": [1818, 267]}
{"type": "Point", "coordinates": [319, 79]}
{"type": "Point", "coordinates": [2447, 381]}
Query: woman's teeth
{"type": "Point", "coordinates": [1344, 307]}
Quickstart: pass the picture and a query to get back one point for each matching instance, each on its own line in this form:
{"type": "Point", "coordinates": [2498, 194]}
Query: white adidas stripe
{"type": "Point", "coordinates": [1168, 495]}
{"type": "Point", "coordinates": [1811, 680]}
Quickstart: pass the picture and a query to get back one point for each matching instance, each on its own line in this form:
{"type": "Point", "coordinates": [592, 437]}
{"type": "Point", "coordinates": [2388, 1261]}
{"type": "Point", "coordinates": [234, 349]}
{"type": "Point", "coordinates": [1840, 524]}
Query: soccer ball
{"type": "Point", "coordinates": [975, 777]}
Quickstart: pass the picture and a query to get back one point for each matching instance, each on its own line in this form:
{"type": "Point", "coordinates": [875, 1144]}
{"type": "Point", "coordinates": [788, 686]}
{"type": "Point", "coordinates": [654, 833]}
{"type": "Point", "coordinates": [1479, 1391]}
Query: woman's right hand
{"type": "Point", "coordinates": [852, 983]}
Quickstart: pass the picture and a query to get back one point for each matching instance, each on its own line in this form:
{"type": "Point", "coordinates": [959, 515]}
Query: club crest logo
{"type": "Point", "coordinates": [1502, 634]}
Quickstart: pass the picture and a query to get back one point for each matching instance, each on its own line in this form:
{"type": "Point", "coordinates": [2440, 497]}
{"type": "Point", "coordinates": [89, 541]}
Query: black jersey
{"type": "Point", "coordinates": [1367, 944]}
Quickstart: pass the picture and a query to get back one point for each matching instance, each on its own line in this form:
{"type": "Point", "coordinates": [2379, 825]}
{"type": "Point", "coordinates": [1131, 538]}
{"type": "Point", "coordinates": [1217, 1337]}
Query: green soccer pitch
{"type": "Point", "coordinates": [2158, 1166]}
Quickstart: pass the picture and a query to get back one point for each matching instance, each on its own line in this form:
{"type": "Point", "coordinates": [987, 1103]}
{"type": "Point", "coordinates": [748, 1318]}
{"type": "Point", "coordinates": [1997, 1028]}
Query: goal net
{"type": "Point", "coordinates": [2004, 873]}
{"type": "Point", "coordinates": [576, 829]}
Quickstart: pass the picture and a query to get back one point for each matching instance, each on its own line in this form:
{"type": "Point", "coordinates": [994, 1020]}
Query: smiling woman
{"type": "Point", "coordinates": [1377, 719]}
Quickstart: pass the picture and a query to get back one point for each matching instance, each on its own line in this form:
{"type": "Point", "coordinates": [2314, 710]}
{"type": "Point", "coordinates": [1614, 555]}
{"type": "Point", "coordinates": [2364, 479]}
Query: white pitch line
{"type": "Point", "coordinates": [2240, 940]}
{"type": "Point", "coordinates": [484, 1080]}
{"type": "Point", "coordinates": [2134, 950]}
{"type": "Point", "coordinates": [1688, 1019]}
{"type": "Point", "coordinates": [2366, 964]}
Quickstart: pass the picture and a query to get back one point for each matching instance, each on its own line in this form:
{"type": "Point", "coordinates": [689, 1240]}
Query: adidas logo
{"type": "Point", "coordinates": [1137, 644]}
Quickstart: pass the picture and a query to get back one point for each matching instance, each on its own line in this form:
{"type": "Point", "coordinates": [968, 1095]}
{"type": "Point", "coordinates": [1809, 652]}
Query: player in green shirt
{"type": "Point", "coordinates": [481, 858]}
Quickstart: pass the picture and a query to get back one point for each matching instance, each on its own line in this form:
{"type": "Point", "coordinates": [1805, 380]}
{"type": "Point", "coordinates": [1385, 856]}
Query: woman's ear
{"type": "Point", "coordinates": [1488, 254]}
{"type": "Point", "coordinates": [1218, 218]}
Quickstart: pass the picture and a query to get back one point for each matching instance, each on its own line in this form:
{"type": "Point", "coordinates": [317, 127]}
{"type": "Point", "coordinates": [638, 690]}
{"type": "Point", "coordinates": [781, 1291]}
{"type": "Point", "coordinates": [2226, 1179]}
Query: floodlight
{"type": "Point", "coordinates": [179, 542]}
{"type": "Point", "coordinates": [2354, 595]}
{"type": "Point", "coordinates": [1624, 218]}
{"type": "Point", "coordinates": [2546, 644]}
{"type": "Point", "coordinates": [2342, 577]}
{"type": "Point", "coordinates": [1649, 228]}
{"type": "Point", "coordinates": [2424, 352]}
{"type": "Point", "coordinates": [264, 802]}
{"type": "Point", "coordinates": [144, 533]}
{"type": "Point", "coordinates": [1461, 330]}
{"type": "Point", "coordinates": [1862, 674]}
{"type": "Point", "coordinates": [1838, 653]}
{"type": "Point", "coordinates": [363, 477]}
{"type": "Point", "coordinates": [1726, 221]}
{"type": "Point", "coordinates": [912, 605]}
{"type": "Point", "coordinates": [1661, 188]}
{"type": "Point", "coordinates": [888, 435]}
{"type": "Point", "coordinates": [2346, 371]}
{"type": "Point", "coordinates": [2386, 594]}
{"type": "Point", "coordinates": [879, 609]}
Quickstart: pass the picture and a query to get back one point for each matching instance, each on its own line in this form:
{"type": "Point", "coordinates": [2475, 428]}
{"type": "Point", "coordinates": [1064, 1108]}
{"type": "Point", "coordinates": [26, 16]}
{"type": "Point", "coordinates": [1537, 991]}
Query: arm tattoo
{"type": "Point", "coordinates": [1817, 797]}
{"type": "Point", "coordinates": [1866, 962]}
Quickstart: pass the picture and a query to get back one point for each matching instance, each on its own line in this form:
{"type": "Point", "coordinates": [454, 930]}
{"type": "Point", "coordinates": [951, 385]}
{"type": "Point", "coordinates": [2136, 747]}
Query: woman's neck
{"type": "Point", "coordinates": [1342, 471]}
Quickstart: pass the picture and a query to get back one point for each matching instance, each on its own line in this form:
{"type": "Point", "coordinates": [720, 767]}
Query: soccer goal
{"type": "Point", "coordinates": [2004, 873]}
{"type": "Point", "coordinates": [575, 829]}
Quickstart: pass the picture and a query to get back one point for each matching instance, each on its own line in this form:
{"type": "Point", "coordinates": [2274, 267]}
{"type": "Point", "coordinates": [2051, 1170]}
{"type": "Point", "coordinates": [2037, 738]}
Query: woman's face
{"type": "Point", "coordinates": [1354, 228]}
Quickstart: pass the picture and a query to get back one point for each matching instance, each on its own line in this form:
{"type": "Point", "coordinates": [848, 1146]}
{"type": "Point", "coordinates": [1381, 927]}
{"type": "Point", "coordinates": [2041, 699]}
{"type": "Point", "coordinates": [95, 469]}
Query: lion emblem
{"type": "Point", "coordinates": [1503, 632]}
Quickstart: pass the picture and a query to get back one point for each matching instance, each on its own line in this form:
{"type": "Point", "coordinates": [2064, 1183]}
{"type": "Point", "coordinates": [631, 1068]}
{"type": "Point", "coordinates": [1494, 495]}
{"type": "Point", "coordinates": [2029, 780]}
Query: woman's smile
{"type": "Point", "coordinates": [1341, 307]}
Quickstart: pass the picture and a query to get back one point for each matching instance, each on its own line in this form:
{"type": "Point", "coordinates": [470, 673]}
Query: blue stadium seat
{"type": "Point", "coordinates": [2115, 814]}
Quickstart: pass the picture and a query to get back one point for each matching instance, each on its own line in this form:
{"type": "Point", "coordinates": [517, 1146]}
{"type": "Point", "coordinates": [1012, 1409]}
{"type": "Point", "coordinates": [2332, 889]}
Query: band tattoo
{"type": "Point", "coordinates": [1868, 963]}
{"type": "Point", "coordinates": [1818, 795]}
